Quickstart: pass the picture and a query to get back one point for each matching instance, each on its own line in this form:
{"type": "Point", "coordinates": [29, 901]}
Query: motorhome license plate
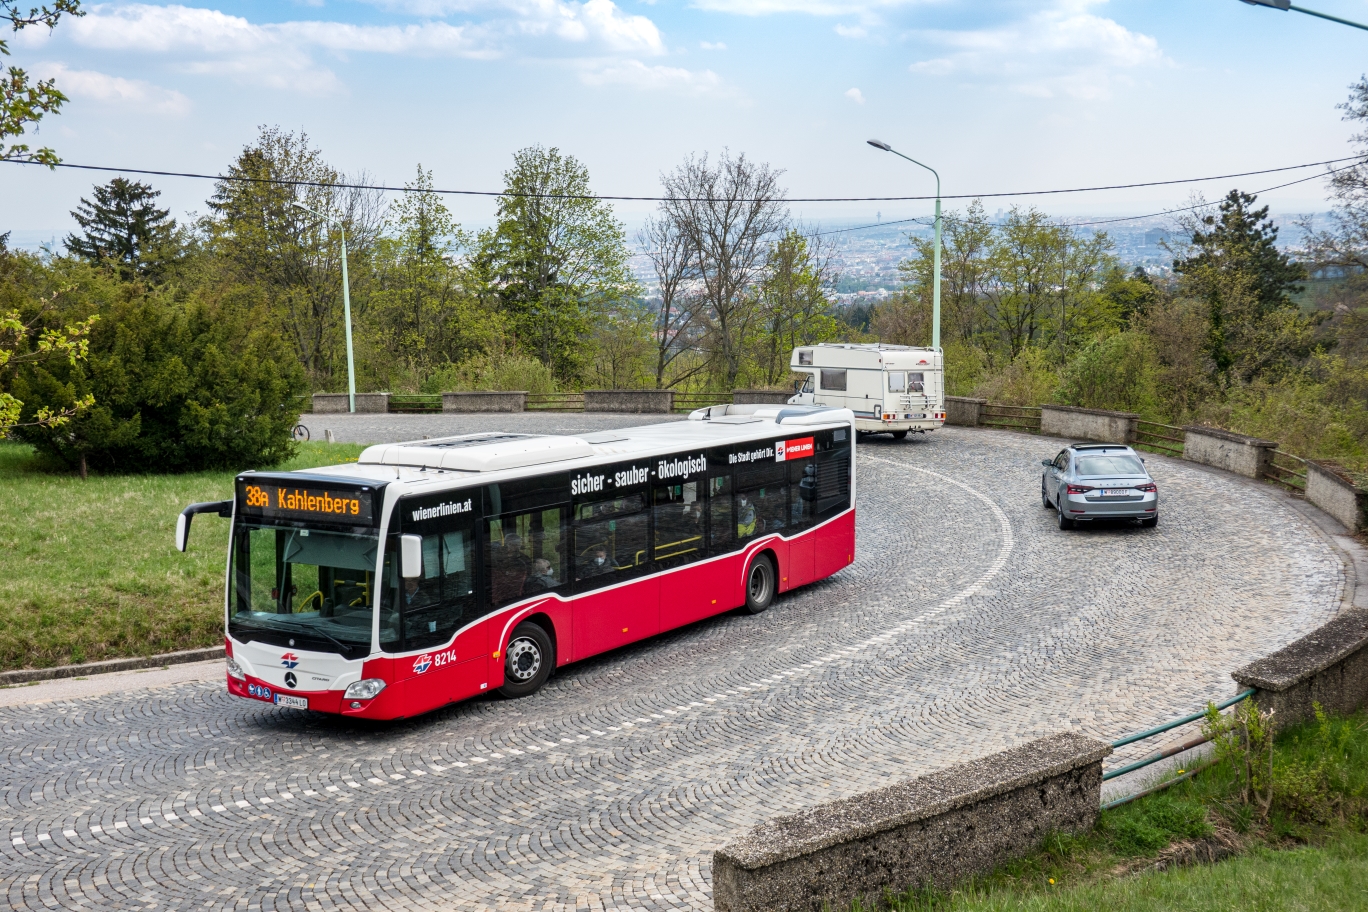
{"type": "Point", "coordinates": [1115, 492]}
{"type": "Point", "coordinates": [292, 702]}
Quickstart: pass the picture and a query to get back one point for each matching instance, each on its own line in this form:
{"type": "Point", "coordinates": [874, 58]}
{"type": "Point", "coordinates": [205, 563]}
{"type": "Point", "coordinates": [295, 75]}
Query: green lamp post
{"type": "Point", "coordinates": [346, 305]}
{"type": "Point", "coordinates": [1286, 5]}
{"type": "Point", "coordinates": [936, 256]}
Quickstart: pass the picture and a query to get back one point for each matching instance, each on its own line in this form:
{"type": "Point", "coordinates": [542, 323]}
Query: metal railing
{"type": "Point", "coordinates": [1165, 753]}
{"type": "Point", "coordinates": [405, 403]}
{"type": "Point", "coordinates": [1164, 439]}
{"type": "Point", "coordinates": [1011, 417]}
{"type": "Point", "coordinates": [1287, 470]}
{"type": "Point", "coordinates": [555, 402]}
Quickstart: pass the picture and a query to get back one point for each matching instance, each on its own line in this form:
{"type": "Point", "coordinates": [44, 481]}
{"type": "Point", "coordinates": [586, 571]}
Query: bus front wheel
{"type": "Point", "coordinates": [759, 584]}
{"type": "Point", "coordinates": [528, 660]}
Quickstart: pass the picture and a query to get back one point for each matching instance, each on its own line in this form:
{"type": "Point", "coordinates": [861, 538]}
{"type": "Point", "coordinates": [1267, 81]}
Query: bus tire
{"type": "Point", "coordinates": [760, 586]}
{"type": "Point", "coordinates": [899, 435]}
{"type": "Point", "coordinates": [528, 660]}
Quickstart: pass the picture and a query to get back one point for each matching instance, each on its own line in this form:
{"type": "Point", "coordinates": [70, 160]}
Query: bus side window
{"type": "Point", "coordinates": [427, 610]}
{"type": "Point", "coordinates": [679, 523]}
{"type": "Point", "coordinates": [721, 526]}
{"type": "Point", "coordinates": [610, 539]}
{"type": "Point", "coordinates": [897, 381]}
{"type": "Point", "coordinates": [802, 479]}
{"type": "Point", "coordinates": [525, 554]}
{"type": "Point", "coordinates": [761, 499]}
{"type": "Point", "coordinates": [833, 474]}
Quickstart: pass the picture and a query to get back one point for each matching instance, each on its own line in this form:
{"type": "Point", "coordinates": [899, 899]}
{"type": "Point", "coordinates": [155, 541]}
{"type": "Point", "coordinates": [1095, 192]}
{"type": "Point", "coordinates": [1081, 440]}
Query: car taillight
{"type": "Point", "coordinates": [1148, 488]}
{"type": "Point", "coordinates": [1078, 489]}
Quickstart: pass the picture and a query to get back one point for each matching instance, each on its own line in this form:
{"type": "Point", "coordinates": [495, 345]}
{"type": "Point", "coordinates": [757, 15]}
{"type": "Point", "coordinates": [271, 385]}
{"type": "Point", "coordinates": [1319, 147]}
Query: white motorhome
{"type": "Point", "coordinates": [890, 388]}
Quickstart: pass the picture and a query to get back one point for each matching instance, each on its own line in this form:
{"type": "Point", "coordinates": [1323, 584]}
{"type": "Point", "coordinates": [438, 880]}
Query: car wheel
{"type": "Point", "coordinates": [1045, 497]}
{"type": "Point", "coordinates": [759, 584]}
{"type": "Point", "coordinates": [528, 660]}
{"type": "Point", "coordinates": [899, 435]}
{"type": "Point", "coordinates": [1150, 522]}
{"type": "Point", "coordinates": [1064, 521]}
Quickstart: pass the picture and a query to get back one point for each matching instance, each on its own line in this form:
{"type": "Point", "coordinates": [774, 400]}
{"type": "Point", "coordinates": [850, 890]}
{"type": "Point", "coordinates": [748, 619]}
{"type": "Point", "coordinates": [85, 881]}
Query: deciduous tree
{"type": "Point", "coordinates": [23, 103]}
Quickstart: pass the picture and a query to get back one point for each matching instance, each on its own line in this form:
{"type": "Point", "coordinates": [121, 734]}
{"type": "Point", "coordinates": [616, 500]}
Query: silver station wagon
{"type": "Point", "coordinates": [1090, 481]}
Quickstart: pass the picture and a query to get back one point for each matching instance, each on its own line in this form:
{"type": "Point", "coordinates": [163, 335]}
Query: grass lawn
{"type": "Point", "coordinates": [89, 570]}
{"type": "Point", "coordinates": [1309, 853]}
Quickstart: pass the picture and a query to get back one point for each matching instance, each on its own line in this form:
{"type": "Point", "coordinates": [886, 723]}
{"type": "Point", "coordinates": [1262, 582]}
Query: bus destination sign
{"type": "Point", "coordinates": [273, 500]}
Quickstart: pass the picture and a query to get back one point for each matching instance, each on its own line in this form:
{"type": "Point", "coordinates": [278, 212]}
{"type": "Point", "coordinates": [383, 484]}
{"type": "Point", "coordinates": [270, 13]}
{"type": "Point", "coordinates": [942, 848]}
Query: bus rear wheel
{"type": "Point", "coordinates": [760, 584]}
{"type": "Point", "coordinates": [528, 660]}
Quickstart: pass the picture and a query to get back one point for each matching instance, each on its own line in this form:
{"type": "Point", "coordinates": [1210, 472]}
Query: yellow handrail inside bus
{"type": "Point", "coordinates": [317, 594]}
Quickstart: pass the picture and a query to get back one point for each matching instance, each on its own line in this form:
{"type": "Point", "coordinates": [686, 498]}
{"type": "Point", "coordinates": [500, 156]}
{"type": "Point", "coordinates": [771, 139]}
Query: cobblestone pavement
{"type": "Point", "coordinates": [967, 624]}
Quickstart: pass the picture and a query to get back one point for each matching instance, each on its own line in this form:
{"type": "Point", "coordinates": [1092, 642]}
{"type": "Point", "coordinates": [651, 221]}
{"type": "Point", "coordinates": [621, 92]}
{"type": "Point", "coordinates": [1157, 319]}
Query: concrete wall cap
{"type": "Point", "coordinates": [1304, 658]}
{"type": "Point", "coordinates": [1087, 411]}
{"type": "Point", "coordinates": [1229, 435]}
{"type": "Point", "coordinates": [1333, 473]}
{"type": "Point", "coordinates": [854, 818]}
{"type": "Point", "coordinates": [966, 399]}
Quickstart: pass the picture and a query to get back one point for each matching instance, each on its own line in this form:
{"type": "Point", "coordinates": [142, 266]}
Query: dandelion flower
{"type": "Point", "coordinates": [1051, 880]}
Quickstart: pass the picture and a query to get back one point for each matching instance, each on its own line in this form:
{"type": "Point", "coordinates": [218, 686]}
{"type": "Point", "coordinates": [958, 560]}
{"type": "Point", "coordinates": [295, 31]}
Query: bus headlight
{"type": "Point", "coordinates": [235, 670]}
{"type": "Point", "coordinates": [367, 689]}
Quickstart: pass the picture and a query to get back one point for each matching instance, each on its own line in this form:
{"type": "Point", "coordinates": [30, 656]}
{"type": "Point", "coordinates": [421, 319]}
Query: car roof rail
{"type": "Point", "coordinates": [1099, 446]}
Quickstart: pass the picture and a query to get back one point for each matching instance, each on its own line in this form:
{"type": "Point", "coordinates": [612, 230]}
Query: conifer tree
{"type": "Point", "coordinates": [123, 228]}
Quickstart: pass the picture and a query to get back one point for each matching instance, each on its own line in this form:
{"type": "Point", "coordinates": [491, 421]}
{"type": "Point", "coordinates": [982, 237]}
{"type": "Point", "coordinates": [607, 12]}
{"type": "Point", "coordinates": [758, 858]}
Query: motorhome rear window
{"type": "Point", "coordinates": [834, 380]}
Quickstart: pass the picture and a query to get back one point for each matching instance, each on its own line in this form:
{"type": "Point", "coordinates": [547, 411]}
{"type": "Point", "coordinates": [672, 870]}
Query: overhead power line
{"type": "Point", "coordinates": [923, 220]}
{"type": "Point", "coordinates": [655, 199]}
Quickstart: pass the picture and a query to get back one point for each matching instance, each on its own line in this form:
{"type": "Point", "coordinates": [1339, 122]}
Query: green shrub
{"type": "Point", "coordinates": [178, 387]}
{"type": "Point", "coordinates": [1029, 380]}
{"type": "Point", "coordinates": [495, 370]}
{"type": "Point", "coordinates": [1117, 372]}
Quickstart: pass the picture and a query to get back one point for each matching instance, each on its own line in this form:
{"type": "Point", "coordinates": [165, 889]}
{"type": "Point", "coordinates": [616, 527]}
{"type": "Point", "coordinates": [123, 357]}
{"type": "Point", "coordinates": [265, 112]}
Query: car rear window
{"type": "Point", "coordinates": [1110, 465]}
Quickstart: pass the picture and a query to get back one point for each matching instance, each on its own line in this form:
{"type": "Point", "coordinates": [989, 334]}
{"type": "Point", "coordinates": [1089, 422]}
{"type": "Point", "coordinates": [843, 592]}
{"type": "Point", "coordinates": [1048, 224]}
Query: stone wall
{"type": "Point", "coordinates": [964, 411]}
{"type": "Point", "coordinates": [761, 397]}
{"type": "Point", "coordinates": [484, 401]}
{"type": "Point", "coordinates": [332, 403]}
{"type": "Point", "coordinates": [931, 831]}
{"type": "Point", "coordinates": [1328, 666]}
{"type": "Point", "coordinates": [1247, 456]}
{"type": "Point", "coordinates": [1337, 496]}
{"type": "Point", "coordinates": [630, 401]}
{"type": "Point", "coordinates": [1087, 424]}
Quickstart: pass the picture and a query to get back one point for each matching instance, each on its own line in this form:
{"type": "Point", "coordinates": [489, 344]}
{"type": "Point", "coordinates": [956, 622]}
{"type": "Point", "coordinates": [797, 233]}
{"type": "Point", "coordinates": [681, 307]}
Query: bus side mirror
{"type": "Point", "coordinates": [223, 508]}
{"type": "Point", "coordinates": [410, 556]}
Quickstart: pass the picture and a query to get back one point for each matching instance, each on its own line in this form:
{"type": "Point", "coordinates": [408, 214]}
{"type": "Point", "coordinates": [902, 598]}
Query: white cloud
{"type": "Point", "coordinates": [639, 75]}
{"type": "Point", "coordinates": [280, 54]}
{"type": "Point", "coordinates": [855, 95]}
{"type": "Point", "coordinates": [114, 90]}
{"type": "Point", "coordinates": [712, 45]}
{"type": "Point", "coordinates": [1061, 50]}
{"type": "Point", "coordinates": [810, 7]}
{"type": "Point", "coordinates": [851, 31]}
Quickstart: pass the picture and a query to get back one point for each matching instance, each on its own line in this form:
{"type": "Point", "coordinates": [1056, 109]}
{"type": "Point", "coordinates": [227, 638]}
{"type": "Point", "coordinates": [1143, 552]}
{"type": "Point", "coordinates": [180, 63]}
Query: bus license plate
{"type": "Point", "coordinates": [292, 702]}
{"type": "Point", "coordinates": [1116, 492]}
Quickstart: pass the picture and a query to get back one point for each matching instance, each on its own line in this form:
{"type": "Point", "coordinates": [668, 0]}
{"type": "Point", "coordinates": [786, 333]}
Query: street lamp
{"type": "Point", "coordinates": [936, 256]}
{"type": "Point", "coordinates": [1286, 5]}
{"type": "Point", "coordinates": [346, 306]}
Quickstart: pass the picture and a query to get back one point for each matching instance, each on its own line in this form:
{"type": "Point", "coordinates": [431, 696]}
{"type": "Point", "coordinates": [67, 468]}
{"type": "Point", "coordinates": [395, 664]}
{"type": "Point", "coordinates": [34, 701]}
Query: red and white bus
{"type": "Point", "coordinates": [434, 570]}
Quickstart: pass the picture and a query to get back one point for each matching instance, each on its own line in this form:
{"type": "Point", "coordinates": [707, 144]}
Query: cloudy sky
{"type": "Point", "coordinates": [999, 95]}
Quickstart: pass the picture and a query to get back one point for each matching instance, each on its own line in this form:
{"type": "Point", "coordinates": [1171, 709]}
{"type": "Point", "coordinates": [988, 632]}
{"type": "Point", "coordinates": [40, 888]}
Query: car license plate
{"type": "Point", "coordinates": [1116, 492]}
{"type": "Point", "coordinates": [292, 702]}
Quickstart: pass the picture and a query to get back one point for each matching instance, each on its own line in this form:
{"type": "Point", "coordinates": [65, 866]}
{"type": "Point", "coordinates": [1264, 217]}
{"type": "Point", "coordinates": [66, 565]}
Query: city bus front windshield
{"type": "Point", "coordinates": [303, 588]}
